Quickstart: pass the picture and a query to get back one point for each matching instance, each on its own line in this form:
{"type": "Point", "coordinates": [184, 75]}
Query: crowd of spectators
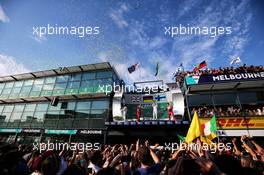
{"type": "Point", "coordinates": [229, 111]}
{"type": "Point", "coordinates": [179, 76]}
{"type": "Point", "coordinates": [245, 157]}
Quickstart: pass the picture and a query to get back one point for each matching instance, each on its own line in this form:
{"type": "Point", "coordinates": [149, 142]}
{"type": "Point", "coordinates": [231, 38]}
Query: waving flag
{"type": "Point", "coordinates": [181, 138]}
{"type": "Point", "coordinates": [209, 130]}
{"type": "Point", "coordinates": [200, 66]}
{"type": "Point", "coordinates": [235, 61]}
{"type": "Point", "coordinates": [209, 127]}
{"type": "Point", "coordinates": [133, 68]}
{"type": "Point", "coordinates": [157, 69]}
{"type": "Point", "coordinates": [194, 130]}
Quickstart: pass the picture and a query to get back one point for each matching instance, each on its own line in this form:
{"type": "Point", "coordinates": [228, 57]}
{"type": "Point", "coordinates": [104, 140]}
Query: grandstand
{"type": "Point", "coordinates": [235, 95]}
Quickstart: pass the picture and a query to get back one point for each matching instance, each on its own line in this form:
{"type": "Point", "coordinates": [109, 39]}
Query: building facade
{"type": "Point", "coordinates": [68, 98]}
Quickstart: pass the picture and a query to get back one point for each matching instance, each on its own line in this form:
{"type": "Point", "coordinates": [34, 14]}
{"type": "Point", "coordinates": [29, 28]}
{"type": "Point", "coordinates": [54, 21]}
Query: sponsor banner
{"type": "Point", "coordinates": [89, 132]}
{"type": "Point", "coordinates": [52, 131]}
{"type": "Point", "coordinates": [4, 130]}
{"type": "Point", "coordinates": [192, 80]}
{"type": "Point", "coordinates": [238, 122]}
{"type": "Point", "coordinates": [32, 131]}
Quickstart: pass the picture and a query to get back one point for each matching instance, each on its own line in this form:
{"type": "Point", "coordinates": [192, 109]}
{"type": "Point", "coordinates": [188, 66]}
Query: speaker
{"type": "Point", "coordinates": [54, 101]}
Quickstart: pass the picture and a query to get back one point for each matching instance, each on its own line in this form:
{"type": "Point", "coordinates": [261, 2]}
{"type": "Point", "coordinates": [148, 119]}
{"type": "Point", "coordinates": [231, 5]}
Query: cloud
{"type": "Point", "coordinates": [9, 66]}
{"type": "Point", "coordinates": [193, 49]}
{"type": "Point", "coordinates": [157, 42]}
{"type": "Point", "coordinates": [3, 17]}
{"type": "Point", "coordinates": [38, 38]}
{"type": "Point", "coordinates": [186, 7]}
{"type": "Point", "coordinates": [118, 15]}
{"type": "Point", "coordinates": [241, 20]}
{"type": "Point", "coordinates": [150, 46]}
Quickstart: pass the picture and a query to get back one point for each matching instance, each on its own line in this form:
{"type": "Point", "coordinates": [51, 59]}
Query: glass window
{"type": "Point", "coordinates": [27, 116]}
{"type": "Point", "coordinates": [100, 105]}
{"type": "Point", "coordinates": [35, 93]}
{"type": "Point", "coordinates": [58, 92]}
{"type": "Point", "coordinates": [104, 74]}
{"type": "Point", "coordinates": [13, 95]}
{"type": "Point", "coordinates": [82, 114]}
{"type": "Point", "coordinates": [19, 108]}
{"type": "Point", "coordinates": [107, 81]}
{"type": "Point", "coordinates": [71, 105]}
{"type": "Point", "coordinates": [30, 107]}
{"type": "Point", "coordinates": [9, 85]}
{"type": "Point", "coordinates": [62, 78]}
{"type": "Point", "coordinates": [6, 91]}
{"type": "Point", "coordinates": [46, 93]}
{"type": "Point", "coordinates": [37, 87]}
{"type": "Point", "coordinates": [1, 108]}
{"type": "Point", "coordinates": [84, 105]}
{"type": "Point", "coordinates": [28, 82]}
{"type": "Point", "coordinates": [6, 116]}
{"type": "Point", "coordinates": [55, 114]}
{"type": "Point", "coordinates": [39, 116]}
{"type": "Point", "coordinates": [52, 108]}
{"type": "Point", "coordinates": [47, 87]}
{"type": "Point", "coordinates": [75, 77]}
{"type": "Point", "coordinates": [68, 106]}
{"type": "Point", "coordinates": [98, 113]}
{"type": "Point", "coordinates": [2, 85]}
{"type": "Point", "coordinates": [73, 85]}
{"type": "Point", "coordinates": [8, 108]}
{"type": "Point", "coordinates": [42, 107]}
{"type": "Point", "coordinates": [16, 90]}
{"type": "Point", "coordinates": [3, 96]}
{"type": "Point", "coordinates": [87, 83]}
{"type": "Point", "coordinates": [60, 85]}
{"type": "Point", "coordinates": [26, 89]}
{"type": "Point", "coordinates": [49, 80]}
{"type": "Point", "coordinates": [16, 116]}
{"type": "Point", "coordinates": [39, 81]}
{"type": "Point", "coordinates": [18, 84]}
{"type": "Point", "coordinates": [88, 76]}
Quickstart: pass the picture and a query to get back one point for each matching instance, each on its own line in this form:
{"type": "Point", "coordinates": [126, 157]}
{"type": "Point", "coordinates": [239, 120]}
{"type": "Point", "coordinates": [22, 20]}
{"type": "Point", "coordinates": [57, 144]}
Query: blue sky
{"type": "Point", "coordinates": [130, 32]}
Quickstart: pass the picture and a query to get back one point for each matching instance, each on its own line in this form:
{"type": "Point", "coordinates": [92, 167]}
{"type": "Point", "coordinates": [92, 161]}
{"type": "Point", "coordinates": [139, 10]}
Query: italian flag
{"type": "Point", "coordinates": [209, 128]}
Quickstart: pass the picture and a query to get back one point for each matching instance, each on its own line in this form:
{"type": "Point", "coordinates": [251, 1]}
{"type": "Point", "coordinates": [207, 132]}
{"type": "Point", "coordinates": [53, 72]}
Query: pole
{"type": "Point", "coordinates": [242, 112]}
{"type": "Point", "coordinates": [212, 98]}
{"type": "Point", "coordinates": [70, 138]}
{"type": "Point", "coordinates": [15, 140]}
{"type": "Point", "coordinates": [187, 104]}
{"type": "Point", "coordinates": [105, 136]}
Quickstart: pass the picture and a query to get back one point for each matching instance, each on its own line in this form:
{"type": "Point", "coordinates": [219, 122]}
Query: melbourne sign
{"type": "Point", "coordinates": [199, 79]}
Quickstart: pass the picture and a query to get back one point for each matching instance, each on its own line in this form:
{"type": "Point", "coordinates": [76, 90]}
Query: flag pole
{"type": "Point", "coordinates": [140, 75]}
{"type": "Point", "coordinates": [218, 125]}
